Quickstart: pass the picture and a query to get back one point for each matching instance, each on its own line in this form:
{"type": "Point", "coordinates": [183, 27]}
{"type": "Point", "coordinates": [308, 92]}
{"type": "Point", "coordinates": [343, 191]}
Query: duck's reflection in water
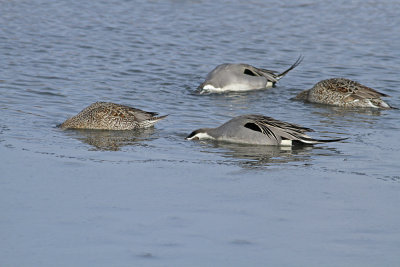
{"type": "Point", "coordinates": [252, 156]}
{"type": "Point", "coordinates": [113, 140]}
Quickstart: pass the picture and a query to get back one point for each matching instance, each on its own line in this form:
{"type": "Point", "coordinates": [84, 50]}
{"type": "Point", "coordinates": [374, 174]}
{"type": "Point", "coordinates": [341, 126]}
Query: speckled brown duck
{"type": "Point", "coordinates": [110, 116]}
{"type": "Point", "coordinates": [344, 93]}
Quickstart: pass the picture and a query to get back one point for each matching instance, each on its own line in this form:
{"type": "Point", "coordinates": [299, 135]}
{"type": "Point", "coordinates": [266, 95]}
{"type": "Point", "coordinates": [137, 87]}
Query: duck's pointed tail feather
{"type": "Point", "coordinates": [298, 61]}
{"type": "Point", "coordinates": [319, 141]}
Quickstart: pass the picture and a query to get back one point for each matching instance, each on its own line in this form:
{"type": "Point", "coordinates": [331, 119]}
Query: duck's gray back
{"type": "Point", "coordinates": [231, 76]}
{"type": "Point", "coordinates": [234, 130]}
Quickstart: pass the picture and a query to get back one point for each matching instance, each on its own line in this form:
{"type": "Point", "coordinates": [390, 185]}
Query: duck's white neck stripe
{"type": "Point", "coordinates": [201, 136]}
{"type": "Point", "coordinates": [211, 89]}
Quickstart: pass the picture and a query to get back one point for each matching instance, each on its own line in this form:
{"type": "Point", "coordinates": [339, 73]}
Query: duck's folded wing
{"type": "Point", "coordinates": [354, 89]}
{"type": "Point", "coordinates": [366, 92]}
{"type": "Point", "coordinates": [276, 129]}
{"type": "Point", "coordinates": [270, 75]}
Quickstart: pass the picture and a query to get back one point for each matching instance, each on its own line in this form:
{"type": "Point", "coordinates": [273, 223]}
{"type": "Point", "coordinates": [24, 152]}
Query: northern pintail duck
{"type": "Point", "coordinates": [110, 116]}
{"type": "Point", "coordinates": [242, 77]}
{"type": "Point", "coordinates": [258, 130]}
{"type": "Point", "coordinates": [344, 93]}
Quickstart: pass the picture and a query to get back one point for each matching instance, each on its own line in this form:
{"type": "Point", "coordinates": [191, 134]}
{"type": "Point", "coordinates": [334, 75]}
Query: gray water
{"type": "Point", "coordinates": [151, 198]}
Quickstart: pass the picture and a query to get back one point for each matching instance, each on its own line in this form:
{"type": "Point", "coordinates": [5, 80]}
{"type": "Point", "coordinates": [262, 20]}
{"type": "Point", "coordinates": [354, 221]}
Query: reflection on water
{"type": "Point", "coordinates": [112, 140]}
{"type": "Point", "coordinates": [341, 111]}
{"type": "Point", "coordinates": [252, 156]}
{"type": "Point", "coordinates": [348, 117]}
{"type": "Point", "coordinates": [3, 128]}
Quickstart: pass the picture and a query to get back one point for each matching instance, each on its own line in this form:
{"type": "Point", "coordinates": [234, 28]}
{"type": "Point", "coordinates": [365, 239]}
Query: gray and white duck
{"type": "Point", "coordinates": [257, 129]}
{"type": "Point", "coordinates": [241, 77]}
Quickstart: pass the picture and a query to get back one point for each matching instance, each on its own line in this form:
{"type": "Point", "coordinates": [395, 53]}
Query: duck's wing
{"type": "Point", "coordinates": [366, 92]}
{"type": "Point", "coordinates": [279, 130]}
{"type": "Point", "coordinates": [353, 88]}
{"type": "Point", "coordinates": [270, 75]}
{"type": "Point", "coordinates": [276, 129]}
{"type": "Point", "coordinates": [120, 112]}
{"type": "Point", "coordinates": [265, 121]}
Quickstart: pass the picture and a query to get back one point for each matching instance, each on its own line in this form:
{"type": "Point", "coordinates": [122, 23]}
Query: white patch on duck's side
{"type": "Point", "coordinates": [237, 87]}
{"type": "Point", "coordinates": [269, 84]}
{"type": "Point", "coordinates": [383, 104]}
{"type": "Point", "coordinates": [211, 88]}
{"type": "Point", "coordinates": [371, 104]}
{"type": "Point", "coordinates": [200, 136]}
{"type": "Point", "coordinates": [286, 143]}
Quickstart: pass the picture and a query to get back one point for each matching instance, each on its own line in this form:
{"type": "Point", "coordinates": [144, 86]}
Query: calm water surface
{"type": "Point", "coordinates": [150, 198]}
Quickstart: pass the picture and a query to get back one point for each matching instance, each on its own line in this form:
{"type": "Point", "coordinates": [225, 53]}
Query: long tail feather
{"type": "Point", "coordinates": [298, 61]}
{"type": "Point", "coordinates": [319, 141]}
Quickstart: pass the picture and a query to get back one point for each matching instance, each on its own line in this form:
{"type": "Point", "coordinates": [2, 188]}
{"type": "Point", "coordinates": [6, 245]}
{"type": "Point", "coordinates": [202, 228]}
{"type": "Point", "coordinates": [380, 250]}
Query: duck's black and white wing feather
{"type": "Point", "coordinates": [279, 130]}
